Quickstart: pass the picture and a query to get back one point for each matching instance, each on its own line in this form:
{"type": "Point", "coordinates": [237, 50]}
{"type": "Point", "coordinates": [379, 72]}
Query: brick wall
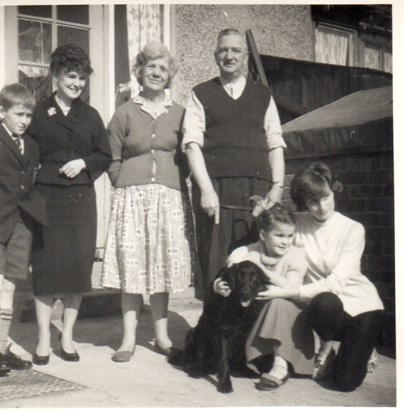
{"type": "Point", "coordinates": [368, 197]}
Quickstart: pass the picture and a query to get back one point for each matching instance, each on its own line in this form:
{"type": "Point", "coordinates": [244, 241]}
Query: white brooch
{"type": "Point", "coordinates": [51, 111]}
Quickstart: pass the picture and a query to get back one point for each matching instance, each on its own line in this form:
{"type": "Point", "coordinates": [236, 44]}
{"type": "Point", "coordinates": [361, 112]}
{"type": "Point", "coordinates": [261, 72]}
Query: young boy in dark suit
{"type": "Point", "coordinates": [20, 207]}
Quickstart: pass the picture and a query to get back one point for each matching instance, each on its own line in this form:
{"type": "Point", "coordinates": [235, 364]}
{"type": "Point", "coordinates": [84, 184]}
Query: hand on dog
{"type": "Point", "coordinates": [273, 292]}
{"type": "Point", "coordinates": [222, 288]}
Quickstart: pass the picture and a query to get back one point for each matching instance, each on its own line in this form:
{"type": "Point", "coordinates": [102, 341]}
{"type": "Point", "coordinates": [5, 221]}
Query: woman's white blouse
{"type": "Point", "coordinates": [333, 251]}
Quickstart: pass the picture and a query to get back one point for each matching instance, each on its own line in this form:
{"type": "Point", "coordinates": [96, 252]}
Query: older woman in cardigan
{"type": "Point", "coordinates": [148, 241]}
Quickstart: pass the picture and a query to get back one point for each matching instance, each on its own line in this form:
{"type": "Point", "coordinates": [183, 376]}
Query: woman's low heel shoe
{"type": "Point", "coordinates": [40, 360]}
{"type": "Point", "coordinates": [66, 356]}
{"type": "Point", "coordinates": [162, 351]}
{"type": "Point", "coordinates": [69, 357]}
{"type": "Point", "coordinates": [122, 356]}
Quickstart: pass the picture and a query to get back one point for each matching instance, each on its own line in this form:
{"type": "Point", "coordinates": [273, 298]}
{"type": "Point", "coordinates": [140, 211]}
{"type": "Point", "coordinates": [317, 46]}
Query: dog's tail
{"type": "Point", "coordinates": [176, 357]}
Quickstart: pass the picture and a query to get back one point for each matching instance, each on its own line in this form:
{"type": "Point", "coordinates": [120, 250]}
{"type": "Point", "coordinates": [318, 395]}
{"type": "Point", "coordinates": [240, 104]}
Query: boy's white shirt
{"type": "Point", "coordinates": [22, 143]}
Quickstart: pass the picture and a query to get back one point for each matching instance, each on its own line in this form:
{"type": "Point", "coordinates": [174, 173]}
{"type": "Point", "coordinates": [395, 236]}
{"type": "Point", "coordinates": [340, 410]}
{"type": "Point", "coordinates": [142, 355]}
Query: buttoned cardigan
{"type": "Point", "coordinates": [146, 150]}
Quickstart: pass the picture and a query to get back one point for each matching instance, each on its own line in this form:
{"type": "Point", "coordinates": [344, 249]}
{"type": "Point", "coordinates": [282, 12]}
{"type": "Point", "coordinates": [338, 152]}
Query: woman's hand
{"type": "Point", "coordinates": [73, 168]}
{"type": "Point", "coordinates": [222, 288]}
{"type": "Point", "coordinates": [210, 204]}
{"type": "Point", "coordinates": [273, 292]}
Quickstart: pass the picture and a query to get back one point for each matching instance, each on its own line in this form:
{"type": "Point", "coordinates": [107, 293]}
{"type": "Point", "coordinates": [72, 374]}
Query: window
{"type": "Point", "coordinates": [375, 53]}
{"type": "Point", "coordinates": [40, 30]}
{"type": "Point", "coordinates": [349, 47]}
{"type": "Point", "coordinates": [333, 45]}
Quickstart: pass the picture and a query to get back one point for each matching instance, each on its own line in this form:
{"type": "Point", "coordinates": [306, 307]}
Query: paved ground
{"type": "Point", "coordinates": [149, 381]}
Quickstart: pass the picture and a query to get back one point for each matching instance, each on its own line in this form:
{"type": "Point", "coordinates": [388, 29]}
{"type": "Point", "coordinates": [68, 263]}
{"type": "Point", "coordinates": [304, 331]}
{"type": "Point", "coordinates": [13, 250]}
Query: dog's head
{"type": "Point", "coordinates": [245, 280]}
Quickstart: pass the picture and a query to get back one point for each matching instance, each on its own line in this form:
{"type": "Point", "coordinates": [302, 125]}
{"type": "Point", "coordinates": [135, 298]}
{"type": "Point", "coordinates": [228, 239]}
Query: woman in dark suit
{"type": "Point", "coordinates": [74, 151]}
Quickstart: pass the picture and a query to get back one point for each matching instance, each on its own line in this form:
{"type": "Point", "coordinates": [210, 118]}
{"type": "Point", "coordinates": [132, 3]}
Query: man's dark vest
{"type": "Point", "coordinates": [235, 143]}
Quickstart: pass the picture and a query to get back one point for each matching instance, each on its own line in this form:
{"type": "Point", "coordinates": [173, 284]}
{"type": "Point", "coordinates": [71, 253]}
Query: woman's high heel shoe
{"type": "Point", "coordinates": [66, 356]}
{"type": "Point", "coordinates": [40, 360]}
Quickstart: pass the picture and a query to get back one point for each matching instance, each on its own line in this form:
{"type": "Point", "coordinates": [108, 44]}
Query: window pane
{"type": "Point", "coordinates": [34, 41]}
{"type": "Point", "coordinates": [37, 79]}
{"type": "Point", "coordinates": [332, 46]}
{"type": "Point", "coordinates": [388, 62]}
{"type": "Point", "coordinates": [75, 14]}
{"type": "Point", "coordinates": [39, 11]}
{"type": "Point", "coordinates": [372, 57]}
{"type": "Point", "coordinates": [69, 35]}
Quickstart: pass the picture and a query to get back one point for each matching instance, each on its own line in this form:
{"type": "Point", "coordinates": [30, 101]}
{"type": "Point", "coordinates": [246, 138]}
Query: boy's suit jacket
{"type": "Point", "coordinates": [17, 175]}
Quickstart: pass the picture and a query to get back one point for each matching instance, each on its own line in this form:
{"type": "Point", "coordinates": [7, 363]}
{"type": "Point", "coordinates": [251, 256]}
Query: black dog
{"type": "Point", "coordinates": [217, 343]}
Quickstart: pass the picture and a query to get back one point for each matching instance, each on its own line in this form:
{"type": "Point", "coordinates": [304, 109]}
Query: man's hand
{"type": "Point", "coordinates": [210, 204]}
{"type": "Point", "coordinates": [73, 168]}
{"type": "Point", "coordinates": [273, 196]}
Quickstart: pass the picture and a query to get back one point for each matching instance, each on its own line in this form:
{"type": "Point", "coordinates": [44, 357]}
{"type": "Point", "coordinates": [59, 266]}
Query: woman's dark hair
{"type": "Point", "coordinates": [312, 182]}
{"type": "Point", "coordinates": [70, 57]}
{"type": "Point", "coordinates": [276, 214]}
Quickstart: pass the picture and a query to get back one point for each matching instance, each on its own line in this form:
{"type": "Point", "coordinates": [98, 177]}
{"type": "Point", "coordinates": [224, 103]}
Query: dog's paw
{"type": "Point", "coordinates": [176, 357]}
{"type": "Point", "coordinates": [193, 372]}
{"type": "Point", "coordinates": [225, 387]}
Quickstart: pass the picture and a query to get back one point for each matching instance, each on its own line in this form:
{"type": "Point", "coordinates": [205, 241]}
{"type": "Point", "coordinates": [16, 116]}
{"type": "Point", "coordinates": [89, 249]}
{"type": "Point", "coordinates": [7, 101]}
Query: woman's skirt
{"type": "Point", "coordinates": [63, 254]}
{"type": "Point", "coordinates": [283, 325]}
{"type": "Point", "coordinates": [149, 247]}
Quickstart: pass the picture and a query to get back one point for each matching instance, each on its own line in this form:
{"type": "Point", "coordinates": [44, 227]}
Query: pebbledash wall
{"type": "Point", "coordinates": [367, 197]}
{"type": "Point", "coordinates": [279, 30]}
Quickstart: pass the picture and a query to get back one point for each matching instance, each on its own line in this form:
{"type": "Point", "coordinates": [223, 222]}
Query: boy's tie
{"type": "Point", "coordinates": [18, 141]}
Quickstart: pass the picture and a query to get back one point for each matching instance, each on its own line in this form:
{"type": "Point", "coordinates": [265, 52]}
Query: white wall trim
{"type": "Point", "coordinates": [109, 66]}
{"type": "Point", "coordinates": [2, 48]}
{"type": "Point", "coordinates": [166, 26]}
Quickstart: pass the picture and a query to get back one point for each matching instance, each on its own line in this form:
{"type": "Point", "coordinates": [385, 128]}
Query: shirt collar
{"type": "Point", "coordinates": [238, 82]}
{"type": "Point", "coordinates": [139, 99]}
{"type": "Point", "coordinates": [152, 111]}
{"type": "Point", "coordinates": [9, 132]}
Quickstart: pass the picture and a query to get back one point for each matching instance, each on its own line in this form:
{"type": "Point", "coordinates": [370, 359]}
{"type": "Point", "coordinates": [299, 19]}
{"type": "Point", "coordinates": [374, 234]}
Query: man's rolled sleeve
{"type": "Point", "coordinates": [194, 123]}
{"type": "Point", "coordinates": [272, 126]}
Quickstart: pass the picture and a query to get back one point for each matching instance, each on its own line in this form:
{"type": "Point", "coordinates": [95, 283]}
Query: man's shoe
{"type": "Point", "coordinates": [14, 361]}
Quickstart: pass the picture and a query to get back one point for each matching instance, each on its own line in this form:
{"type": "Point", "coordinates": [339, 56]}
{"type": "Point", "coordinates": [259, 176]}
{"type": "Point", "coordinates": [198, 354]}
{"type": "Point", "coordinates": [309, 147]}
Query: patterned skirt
{"type": "Point", "coordinates": [150, 242]}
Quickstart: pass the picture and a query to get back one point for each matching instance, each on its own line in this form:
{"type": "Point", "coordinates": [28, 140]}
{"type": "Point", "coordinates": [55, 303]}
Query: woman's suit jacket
{"type": "Point", "coordinates": [79, 135]}
{"type": "Point", "coordinates": [17, 175]}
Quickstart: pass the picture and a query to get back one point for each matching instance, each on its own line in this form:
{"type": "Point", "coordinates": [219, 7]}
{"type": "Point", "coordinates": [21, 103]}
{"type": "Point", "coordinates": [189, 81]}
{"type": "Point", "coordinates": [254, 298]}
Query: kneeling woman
{"type": "Point", "coordinates": [344, 304]}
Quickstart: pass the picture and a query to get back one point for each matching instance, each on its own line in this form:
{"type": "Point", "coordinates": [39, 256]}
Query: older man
{"type": "Point", "coordinates": [233, 141]}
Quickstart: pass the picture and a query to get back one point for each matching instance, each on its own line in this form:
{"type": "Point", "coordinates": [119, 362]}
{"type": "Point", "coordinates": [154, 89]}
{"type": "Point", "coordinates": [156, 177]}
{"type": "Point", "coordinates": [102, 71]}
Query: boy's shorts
{"type": "Point", "coordinates": [15, 255]}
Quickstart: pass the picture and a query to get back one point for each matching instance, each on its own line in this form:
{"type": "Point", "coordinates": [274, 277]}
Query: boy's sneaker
{"type": "Point", "coordinates": [4, 368]}
{"type": "Point", "coordinates": [13, 361]}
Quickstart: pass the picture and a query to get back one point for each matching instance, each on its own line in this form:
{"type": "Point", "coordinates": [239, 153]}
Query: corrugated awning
{"type": "Point", "coordinates": [361, 121]}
